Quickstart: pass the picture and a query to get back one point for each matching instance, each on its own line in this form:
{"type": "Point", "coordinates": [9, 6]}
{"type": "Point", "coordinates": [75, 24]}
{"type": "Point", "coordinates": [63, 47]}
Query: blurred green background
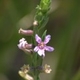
{"type": "Point", "coordinates": [63, 25]}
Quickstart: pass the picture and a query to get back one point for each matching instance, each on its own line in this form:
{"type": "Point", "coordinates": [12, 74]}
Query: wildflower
{"type": "Point", "coordinates": [25, 68]}
{"type": "Point", "coordinates": [23, 45]}
{"type": "Point", "coordinates": [24, 72]}
{"type": "Point", "coordinates": [47, 68]}
{"type": "Point", "coordinates": [26, 32]}
{"type": "Point", "coordinates": [41, 47]}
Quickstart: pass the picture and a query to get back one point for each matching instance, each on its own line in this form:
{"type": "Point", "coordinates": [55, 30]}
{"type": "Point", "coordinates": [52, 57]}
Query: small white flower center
{"type": "Point", "coordinates": [41, 45]}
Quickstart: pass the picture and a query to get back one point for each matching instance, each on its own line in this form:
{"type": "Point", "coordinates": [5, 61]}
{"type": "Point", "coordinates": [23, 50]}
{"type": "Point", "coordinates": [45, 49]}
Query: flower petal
{"type": "Point", "coordinates": [36, 49]}
{"type": "Point", "coordinates": [41, 52]}
{"type": "Point", "coordinates": [21, 40]}
{"type": "Point", "coordinates": [38, 39]}
{"type": "Point", "coordinates": [47, 39]}
{"type": "Point", "coordinates": [22, 43]}
{"type": "Point", "coordinates": [19, 46]}
{"type": "Point", "coordinates": [49, 48]}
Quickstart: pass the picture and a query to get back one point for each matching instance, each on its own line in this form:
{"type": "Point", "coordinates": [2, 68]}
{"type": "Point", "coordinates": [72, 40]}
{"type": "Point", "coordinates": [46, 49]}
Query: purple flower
{"type": "Point", "coordinates": [41, 47]}
{"type": "Point", "coordinates": [23, 45]}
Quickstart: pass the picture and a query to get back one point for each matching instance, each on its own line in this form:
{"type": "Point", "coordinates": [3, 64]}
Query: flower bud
{"type": "Point", "coordinates": [35, 23]}
{"type": "Point", "coordinates": [47, 69]}
{"type": "Point", "coordinates": [24, 72]}
{"type": "Point", "coordinates": [25, 68]}
{"type": "Point", "coordinates": [23, 45]}
{"type": "Point", "coordinates": [26, 32]}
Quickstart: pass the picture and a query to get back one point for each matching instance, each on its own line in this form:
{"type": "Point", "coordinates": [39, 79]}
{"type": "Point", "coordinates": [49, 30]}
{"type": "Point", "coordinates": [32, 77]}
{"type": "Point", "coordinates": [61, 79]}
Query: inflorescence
{"type": "Point", "coordinates": [38, 46]}
{"type": "Point", "coordinates": [40, 49]}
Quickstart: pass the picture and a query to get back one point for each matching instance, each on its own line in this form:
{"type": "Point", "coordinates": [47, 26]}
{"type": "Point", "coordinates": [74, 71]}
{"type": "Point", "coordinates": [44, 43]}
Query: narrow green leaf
{"type": "Point", "coordinates": [44, 22]}
{"type": "Point", "coordinates": [44, 34]}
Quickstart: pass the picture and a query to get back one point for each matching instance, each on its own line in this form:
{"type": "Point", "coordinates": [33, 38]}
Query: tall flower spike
{"type": "Point", "coordinates": [26, 32]}
{"type": "Point", "coordinates": [42, 47]}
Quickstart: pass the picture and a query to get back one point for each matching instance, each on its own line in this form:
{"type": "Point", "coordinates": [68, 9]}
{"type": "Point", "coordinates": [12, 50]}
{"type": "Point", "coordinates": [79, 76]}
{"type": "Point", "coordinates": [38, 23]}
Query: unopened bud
{"type": "Point", "coordinates": [24, 73]}
{"type": "Point", "coordinates": [26, 32]}
{"type": "Point", "coordinates": [23, 45]}
{"type": "Point", "coordinates": [47, 69]}
{"type": "Point", "coordinates": [35, 23]}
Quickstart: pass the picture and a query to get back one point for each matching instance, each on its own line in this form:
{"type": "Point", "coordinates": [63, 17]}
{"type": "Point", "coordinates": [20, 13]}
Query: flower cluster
{"type": "Point", "coordinates": [40, 48]}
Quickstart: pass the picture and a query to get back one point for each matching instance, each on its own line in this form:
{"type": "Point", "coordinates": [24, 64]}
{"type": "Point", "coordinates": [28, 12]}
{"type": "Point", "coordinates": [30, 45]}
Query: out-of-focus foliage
{"type": "Point", "coordinates": [63, 25]}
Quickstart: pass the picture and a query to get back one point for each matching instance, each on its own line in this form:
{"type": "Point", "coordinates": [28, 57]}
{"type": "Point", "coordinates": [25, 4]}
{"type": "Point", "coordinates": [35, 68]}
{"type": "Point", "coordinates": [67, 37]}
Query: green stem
{"type": "Point", "coordinates": [35, 55]}
{"type": "Point", "coordinates": [36, 78]}
{"type": "Point", "coordinates": [41, 17]}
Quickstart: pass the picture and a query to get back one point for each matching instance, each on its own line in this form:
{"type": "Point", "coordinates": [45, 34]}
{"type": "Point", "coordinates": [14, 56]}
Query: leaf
{"type": "Point", "coordinates": [44, 34]}
{"type": "Point", "coordinates": [44, 22]}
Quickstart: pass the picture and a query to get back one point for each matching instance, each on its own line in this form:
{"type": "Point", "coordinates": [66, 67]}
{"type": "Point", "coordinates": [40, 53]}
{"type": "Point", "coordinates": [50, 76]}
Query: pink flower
{"type": "Point", "coordinates": [41, 47]}
{"type": "Point", "coordinates": [26, 32]}
{"type": "Point", "coordinates": [23, 45]}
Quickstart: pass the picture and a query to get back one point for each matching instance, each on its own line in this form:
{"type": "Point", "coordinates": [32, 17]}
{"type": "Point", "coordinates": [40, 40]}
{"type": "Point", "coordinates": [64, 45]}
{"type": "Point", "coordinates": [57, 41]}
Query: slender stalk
{"type": "Point", "coordinates": [41, 17]}
{"type": "Point", "coordinates": [32, 71]}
